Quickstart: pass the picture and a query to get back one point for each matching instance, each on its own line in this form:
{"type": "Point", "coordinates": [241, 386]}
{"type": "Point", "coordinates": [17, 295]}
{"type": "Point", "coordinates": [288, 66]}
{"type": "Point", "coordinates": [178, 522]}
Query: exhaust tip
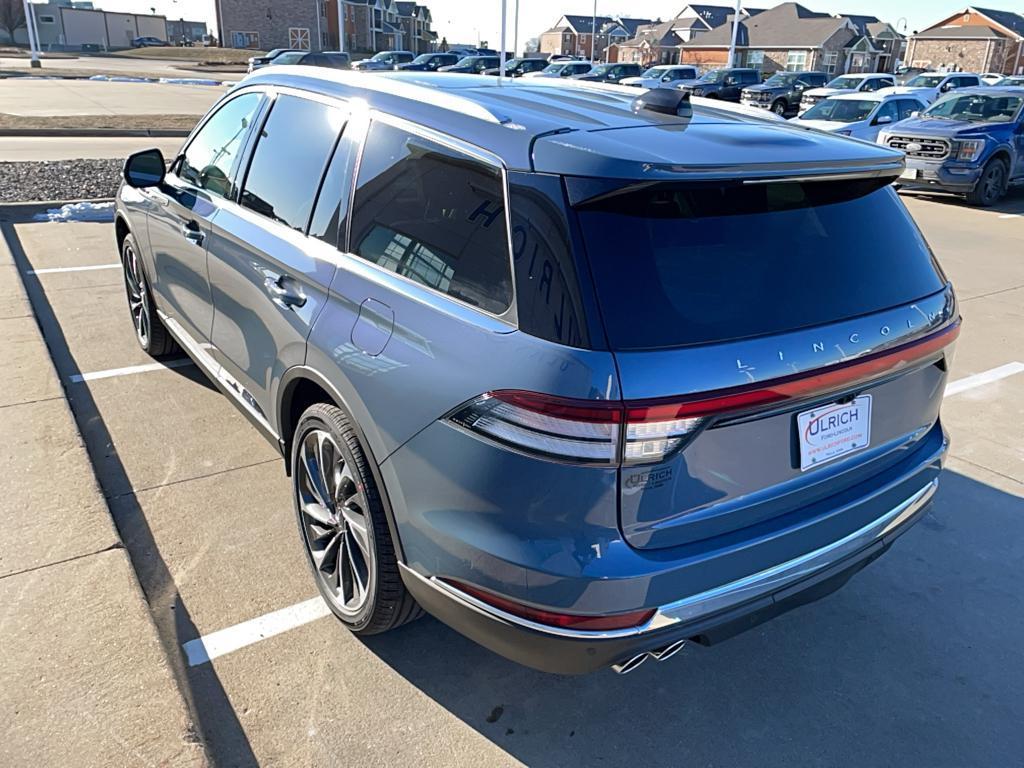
{"type": "Point", "coordinates": [670, 650]}
{"type": "Point", "coordinates": [625, 667]}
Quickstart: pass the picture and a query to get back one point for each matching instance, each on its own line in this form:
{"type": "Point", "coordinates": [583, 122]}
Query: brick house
{"type": "Point", "coordinates": [971, 40]}
{"type": "Point", "coordinates": [266, 24]}
{"type": "Point", "coordinates": [653, 44]}
{"type": "Point", "coordinates": [792, 37]}
{"type": "Point", "coordinates": [574, 35]}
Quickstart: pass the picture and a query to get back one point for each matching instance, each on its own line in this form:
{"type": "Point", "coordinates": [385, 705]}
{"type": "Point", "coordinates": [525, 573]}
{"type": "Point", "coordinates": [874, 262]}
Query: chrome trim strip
{"type": "Point", "coordinates": [214, 370]}
{"type": "Point", "coordinates": [719, 598]}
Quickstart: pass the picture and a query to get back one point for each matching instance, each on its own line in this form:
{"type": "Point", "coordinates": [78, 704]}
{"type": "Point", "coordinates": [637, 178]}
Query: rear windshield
{"type": "Point", "coordinates": [695, 265]}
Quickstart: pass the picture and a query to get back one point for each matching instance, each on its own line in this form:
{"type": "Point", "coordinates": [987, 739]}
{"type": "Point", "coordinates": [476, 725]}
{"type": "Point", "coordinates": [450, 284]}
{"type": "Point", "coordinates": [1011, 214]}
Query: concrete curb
{"type": "Point", "coordinates": [96, 132]}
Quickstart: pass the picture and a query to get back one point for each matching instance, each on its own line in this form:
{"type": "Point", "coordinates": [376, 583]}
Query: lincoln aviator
{"type": "Point", "coordinates": [585, 373]}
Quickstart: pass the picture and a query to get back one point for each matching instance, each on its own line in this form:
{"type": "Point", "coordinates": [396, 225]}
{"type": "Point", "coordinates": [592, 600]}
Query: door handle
{"type": "Point", "coordinates": [283, 291]}
{"type": "Point", "coordinates": [190, 229]}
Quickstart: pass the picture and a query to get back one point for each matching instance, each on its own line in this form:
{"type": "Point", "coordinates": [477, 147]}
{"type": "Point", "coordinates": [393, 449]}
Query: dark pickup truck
{"type": "Point", "coordinates": [781, 93]}
{"type": "Point", "coordinates": [970, 142]}
{"type": "Point", "coordinates": [724, 84]}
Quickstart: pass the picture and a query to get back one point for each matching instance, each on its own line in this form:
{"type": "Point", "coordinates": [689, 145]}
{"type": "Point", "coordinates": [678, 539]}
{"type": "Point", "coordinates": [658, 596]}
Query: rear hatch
{"type": "Point", "coordinates": [777, 343]}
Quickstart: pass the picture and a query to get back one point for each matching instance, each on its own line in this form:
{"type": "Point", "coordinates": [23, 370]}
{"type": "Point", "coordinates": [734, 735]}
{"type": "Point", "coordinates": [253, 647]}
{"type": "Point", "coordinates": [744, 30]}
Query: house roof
{"type": "Point", "coordinates": [860, 22]}
{"type": "Point", "coordinates": [582, 25]}
{"type": "Point", "coordinates": [878, 27]}
{"type": "Point", "coordinates": [968, 31]}
{"type": "Point", "coordinates": [787, 25]}
{"type": "Point", "coordinates": [655, 34]}
{"type": "Point", "coordinates": [631, 25]}
{"type": "Point", "coordinates": [406, 9]}
{"type": "Point", "coordinates": [1008, 19]}
{"type": "Point", "coordinates": [716, 15]}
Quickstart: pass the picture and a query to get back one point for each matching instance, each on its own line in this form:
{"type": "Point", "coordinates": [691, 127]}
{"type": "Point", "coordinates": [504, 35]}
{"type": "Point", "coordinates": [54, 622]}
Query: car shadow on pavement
{"type": "Point", "coordinates": [914, 662]}
{"type": "Point", "coordinates": [1012, 204]}
{"type": "Point", "coordinates": [215, 722]}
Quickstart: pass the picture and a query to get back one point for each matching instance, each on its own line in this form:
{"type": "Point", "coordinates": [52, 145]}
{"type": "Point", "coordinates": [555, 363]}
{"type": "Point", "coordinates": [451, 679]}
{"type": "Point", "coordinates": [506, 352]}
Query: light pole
{"type": "Point", "coordinates": [341, 25]}
{"type": "Point", "coordinates": [501, 53]}
{"type": "Point", "coordinates": [515, 32]}
{"type": "Point", "coordinates": [735, 32]}
{"type": "Point", "coordinates": [593, 34]}
{"type": "Point", "coordinates": [33, 39]}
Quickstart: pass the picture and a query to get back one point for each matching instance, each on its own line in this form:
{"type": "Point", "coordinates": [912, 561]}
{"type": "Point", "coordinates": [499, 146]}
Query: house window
{"type": "Point", "coordinates": [245, 39]}
{"type": "Point", "coordinates": [755, 59]}
{"type": "Point", "coordinates": [831, 59]}
{"type": "Point", "coordinates": [796, 60]}
{"type": "Point", "coordinates": [325, 39]}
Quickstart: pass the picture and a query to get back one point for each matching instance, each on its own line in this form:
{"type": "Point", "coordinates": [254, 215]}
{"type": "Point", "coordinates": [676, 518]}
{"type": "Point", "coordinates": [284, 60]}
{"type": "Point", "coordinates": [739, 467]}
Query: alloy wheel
{"type": "Point", "coordinates": [335, 524]}
{"type": "Point", "coordinates": [780, 108]}
{"type": "Point", "coordinates": [138, 301]}
{"type": "Point", "coordinates": [993, 184]}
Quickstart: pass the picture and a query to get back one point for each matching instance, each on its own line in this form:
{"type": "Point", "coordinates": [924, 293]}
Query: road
{"type": "Point", "coordinates": [916, 662]}
{"type": "Point", "coordinates": [42, 98]}
{"type": "Point", "coordinates": [28, 148]}
{"type": "Point", "coordinates": [118, 64]}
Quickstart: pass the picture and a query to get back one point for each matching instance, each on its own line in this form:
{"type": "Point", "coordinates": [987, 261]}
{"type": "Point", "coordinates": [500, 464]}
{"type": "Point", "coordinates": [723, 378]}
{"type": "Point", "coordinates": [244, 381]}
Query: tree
{"type": "Point", "coordinates": [532, 45]}
{"type": "Point", "coordinates": [12, 16]}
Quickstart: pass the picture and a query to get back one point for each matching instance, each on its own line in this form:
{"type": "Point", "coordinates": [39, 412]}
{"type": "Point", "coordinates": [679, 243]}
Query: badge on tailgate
{"type": "Point", "coordinates": [834, 430]}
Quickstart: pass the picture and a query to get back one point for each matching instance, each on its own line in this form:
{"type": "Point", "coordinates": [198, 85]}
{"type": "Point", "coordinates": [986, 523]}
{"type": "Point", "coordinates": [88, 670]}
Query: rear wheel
{"type": "Point", "coordinates": [149, 329]}
{"type": "Point", "coordinates": [991, 186]}
{"type": "Point", "coordinates": [779, 108]}
{"type": "Point", "coordinates": [343, 525]}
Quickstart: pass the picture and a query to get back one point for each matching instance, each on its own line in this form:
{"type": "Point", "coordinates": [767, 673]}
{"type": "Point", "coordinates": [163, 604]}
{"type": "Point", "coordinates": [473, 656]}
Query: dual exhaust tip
{"type": "Point", "coordinates": [658, 654]}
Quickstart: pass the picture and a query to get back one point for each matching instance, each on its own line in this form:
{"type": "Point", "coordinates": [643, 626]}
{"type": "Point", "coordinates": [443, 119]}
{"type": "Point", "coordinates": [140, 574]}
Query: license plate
{"type": "Point", "coordinates": [831, 431]}
{"type": "Point", "coordinates": [909, 173]}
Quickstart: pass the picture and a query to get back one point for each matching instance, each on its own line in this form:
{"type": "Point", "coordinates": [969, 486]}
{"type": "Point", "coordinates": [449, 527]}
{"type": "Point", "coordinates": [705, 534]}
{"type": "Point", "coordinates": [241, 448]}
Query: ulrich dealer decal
{"type": "Point", "coordinates": [834, 430]}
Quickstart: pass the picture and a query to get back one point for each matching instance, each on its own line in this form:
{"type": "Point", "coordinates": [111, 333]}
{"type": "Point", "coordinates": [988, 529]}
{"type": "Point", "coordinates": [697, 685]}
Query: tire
{"type": "Point", "coordinates": [780, 108]}
{"type": "Point", "coordinates": [150, 332]}
{"type": "Point", "coordinates": [991, 184]}
{"type": "Point", "coordinates": [356, 572]}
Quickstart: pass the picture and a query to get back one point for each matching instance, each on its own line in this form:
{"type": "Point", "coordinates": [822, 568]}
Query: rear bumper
{"type": "Point", "coordinates": [707, 617]}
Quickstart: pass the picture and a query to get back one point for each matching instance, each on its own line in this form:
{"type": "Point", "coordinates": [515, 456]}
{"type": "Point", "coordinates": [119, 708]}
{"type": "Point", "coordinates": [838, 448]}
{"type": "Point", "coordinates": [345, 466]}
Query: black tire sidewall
{"type": "Point", "coordinates": [129, 242]}
{"type": "Point", "coordinates": [316, 418]}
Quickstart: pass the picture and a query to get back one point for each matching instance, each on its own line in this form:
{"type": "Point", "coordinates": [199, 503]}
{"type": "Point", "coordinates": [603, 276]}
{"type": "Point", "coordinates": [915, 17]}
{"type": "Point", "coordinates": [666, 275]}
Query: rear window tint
{"type": "Point", "coordinates": [684, 266]}
{"type": "Point", "coordinates": [433, 215]}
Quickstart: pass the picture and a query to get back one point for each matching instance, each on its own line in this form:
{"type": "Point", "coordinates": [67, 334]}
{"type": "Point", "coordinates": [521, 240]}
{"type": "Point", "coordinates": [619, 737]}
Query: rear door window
{"type": "Point", "coordinates": [684, 265]}
{"type": "Point", "coordinates": [434, 215]}
{"type": "Point", "coordinates": [290, 156]}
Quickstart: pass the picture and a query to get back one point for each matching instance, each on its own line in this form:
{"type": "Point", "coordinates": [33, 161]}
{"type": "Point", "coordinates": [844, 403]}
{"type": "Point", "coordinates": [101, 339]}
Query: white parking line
{"type": "Point", "coordinates": [224, 641]}
{"type": "Point", "coordinates": [209, 647]}
{"type": "Point", "coordinates": [985, 377]}
{"type": "Point", "coordinates": [1010, 216]}
{"type": "Point", "coordinates": [51, 270]}
{"type": "Point", "coordinates": [112, 372]}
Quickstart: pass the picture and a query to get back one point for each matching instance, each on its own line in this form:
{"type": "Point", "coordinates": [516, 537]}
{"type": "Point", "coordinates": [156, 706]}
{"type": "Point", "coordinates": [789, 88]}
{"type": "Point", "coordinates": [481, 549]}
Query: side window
{"type": "Point", "coordinates": [211, 155]}
{"type": "Point", "coordinates": [749, 77]}
{"type": "Point", "coordinates": [908, 107]}
{"type": "Point", "coordinates": [433, 215]}
{"type": "Point", "coordinates": [887, 110]}
{"type": "Point", "coordinates": [870, 84]}
{"type": "Point", "coordinates": [331, 209]}
{"type": "Point", "coordinates": [290, 156]}
{"type": "Point", "coordinates": [886, 82]}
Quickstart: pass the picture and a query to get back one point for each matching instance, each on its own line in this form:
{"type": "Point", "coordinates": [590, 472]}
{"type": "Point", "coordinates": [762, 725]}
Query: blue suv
{"type": "Point", "coordinates": [970, 142]}
{"type": "Point", "coordinates": [586, 374]}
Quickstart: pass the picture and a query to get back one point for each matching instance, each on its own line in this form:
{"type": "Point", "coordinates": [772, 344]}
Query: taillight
{"type": "Point", "coordinates": [591, 430]}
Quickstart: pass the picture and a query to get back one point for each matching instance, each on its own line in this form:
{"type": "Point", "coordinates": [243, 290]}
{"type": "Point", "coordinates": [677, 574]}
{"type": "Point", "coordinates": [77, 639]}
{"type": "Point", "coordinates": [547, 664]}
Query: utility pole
{"type": "Point", "coordinates": [33, 40]}
{"type": "Point", "coordinates": [501, 65]}
{"type": "Point", "coordinates": [515, 32]}
{"type": "Point", "coordinates": [593, 34]}
{"type": "Point", "coordinates": [735, 32]}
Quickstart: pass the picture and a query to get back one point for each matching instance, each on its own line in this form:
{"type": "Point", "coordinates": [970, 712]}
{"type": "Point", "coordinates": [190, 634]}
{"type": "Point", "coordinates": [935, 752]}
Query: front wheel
{"type": "Point", "coordinates": [779, 108]}
{"type": "Point", "coordinates": [343, 525]}
{"type": "Point", "coordinates": [991, 186]}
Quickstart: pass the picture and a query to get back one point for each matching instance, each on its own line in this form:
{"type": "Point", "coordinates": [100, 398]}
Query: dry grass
{"type": "Point", "coordinates": [195, 55]}
{"type": "Point", "coordinates": [89, 122]}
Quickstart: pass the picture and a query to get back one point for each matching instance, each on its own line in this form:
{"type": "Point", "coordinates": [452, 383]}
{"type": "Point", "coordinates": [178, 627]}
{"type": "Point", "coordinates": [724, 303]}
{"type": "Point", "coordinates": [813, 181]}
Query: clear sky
{"type": "Point", "coordinates": [462, 20]}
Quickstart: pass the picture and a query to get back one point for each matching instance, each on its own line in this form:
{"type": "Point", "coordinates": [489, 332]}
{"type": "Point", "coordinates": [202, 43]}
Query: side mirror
{"type": "Point", "coordinates": [916, 113]}
{"type": "Point", "coordinates": [883, 119]}
{"type": "Point", "coordinates": [144, 169]}
{"type": "Point", "coordinates": [946, 87]}
{"type": "Point", "coordinates": [730, 81]}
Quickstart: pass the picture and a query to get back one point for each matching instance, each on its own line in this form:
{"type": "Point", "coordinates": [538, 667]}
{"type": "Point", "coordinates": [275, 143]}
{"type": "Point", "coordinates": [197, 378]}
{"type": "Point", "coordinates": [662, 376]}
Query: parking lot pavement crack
{"type": "Point", "coordinates": [32, 402]}
{"type": "Point", "coordinates": [64, 561]}
{"type": "Point", "coordinates": [979, 465]}
{"type": "Point", "coordinates": [158, 486]}
{"type": "Point", "coordinates": [992, 293]}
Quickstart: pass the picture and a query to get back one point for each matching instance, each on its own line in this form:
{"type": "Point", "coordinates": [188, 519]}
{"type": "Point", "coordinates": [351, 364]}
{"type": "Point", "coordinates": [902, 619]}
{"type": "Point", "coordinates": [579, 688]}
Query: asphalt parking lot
{"type": "Point", "coordinates": [916, 662]}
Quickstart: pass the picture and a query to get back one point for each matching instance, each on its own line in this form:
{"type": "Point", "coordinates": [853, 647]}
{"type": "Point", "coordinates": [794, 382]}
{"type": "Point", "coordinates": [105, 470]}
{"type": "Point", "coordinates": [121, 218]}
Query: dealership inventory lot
{"type": "Point", "coordinates": [915, 662]}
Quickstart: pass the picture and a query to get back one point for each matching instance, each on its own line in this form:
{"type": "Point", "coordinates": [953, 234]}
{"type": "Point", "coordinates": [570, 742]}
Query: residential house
{"type": "Point", "coordinates": [265, 25]}
{"type": "Point", "coordinates": [653, 44]}
{"type": "Point", "coordinates": [971, 40]}
{"type": "Point", "coordinates": [588, 36]}
{"type": "Point", "coordinates": [380, 25]}
{"type": "Point", "coordinates": [415, 21]}
{"type": "Point", "coordinates": [695, 19]}
{"type": "Point", "coordinates": [792, 37]}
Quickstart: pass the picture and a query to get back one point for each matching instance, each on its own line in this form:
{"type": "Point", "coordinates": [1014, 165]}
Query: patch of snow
{"type": "Point", "coordinates": [121, 79]}
{"type": "Point", "coordinates": [78, 212]}
{"type": "Point", "coordinates": [189, 81]}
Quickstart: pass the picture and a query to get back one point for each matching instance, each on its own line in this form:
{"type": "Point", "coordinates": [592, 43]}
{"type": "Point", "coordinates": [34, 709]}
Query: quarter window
{"type": "Point", "coordinates": [211, 155]}
{"type": "Point", "coordinates": [289, 160]}
{"type": "Point", "coordinates": [433, 215]}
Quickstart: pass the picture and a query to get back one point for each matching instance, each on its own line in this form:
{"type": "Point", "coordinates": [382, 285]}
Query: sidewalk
{"type": "Point", "coordinates": [83, 677]}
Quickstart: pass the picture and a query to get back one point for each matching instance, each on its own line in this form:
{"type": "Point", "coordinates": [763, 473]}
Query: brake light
{"type": "Point", "coordinates": [590, 431]}
{"type": "Point", "coordinates": [552, 619]}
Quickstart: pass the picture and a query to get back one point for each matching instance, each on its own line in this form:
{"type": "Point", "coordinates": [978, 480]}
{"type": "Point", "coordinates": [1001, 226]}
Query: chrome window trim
{"type": "Point", "coordinates": [726, 596]}
{"type": "Point", "coordinates": [510, 316]}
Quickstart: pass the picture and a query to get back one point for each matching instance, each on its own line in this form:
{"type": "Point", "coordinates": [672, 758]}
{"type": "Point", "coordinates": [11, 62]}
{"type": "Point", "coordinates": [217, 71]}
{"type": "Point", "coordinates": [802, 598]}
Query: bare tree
{"type": "Point", "coordinates": [532, 45]}
{"type": "Point", "coordinates": [12, 16]}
